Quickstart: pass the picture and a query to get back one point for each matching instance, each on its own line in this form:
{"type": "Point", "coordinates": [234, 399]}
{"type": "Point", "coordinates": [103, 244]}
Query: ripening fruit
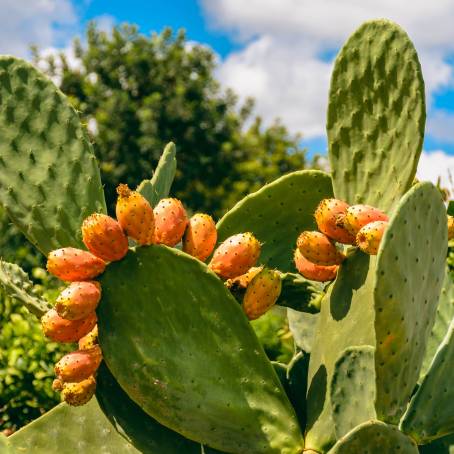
{"type": "Point", "coordinates": [71, 264]}
{"type": "Point", "coordinates": [357, 216]}
{"type": "Point", "coordinates": [243, 280]}
{"type": "Point", "coordinates": [369, 237]}
{"type": "Point", "coordinates": [170, 221]}
{"type": "Point", "coordinates": [89, 340]}
{"type": "Point", "coordinates": [78, 299]}
{"type": "Point", "coordinates": [104, 237]}
{"type": "Point", "coordinates": [80, 393]}
{"type": "Point", "coordinates": [60, 330]}
{"type": "Point", "coordinates": [262, 293]}
{"type": "Point", "coordinates": [135, 215]}
{"type": "Point", "coordinates": [78, 365]}
{"type": "Point", "coordinates": [450, 227]}
{"type": "Point", "coordinates": [235, 255]}
{"type": "Point", "coordinates": [312, 271]}
{"type": "Point", "coordinates": [200, 237]}
{"type": "Point", "coordinates": [57, 385]}
{"type": "Point", "coordinates": [326, 216]}
{"type": "Point", "coordinates": [319, 249]}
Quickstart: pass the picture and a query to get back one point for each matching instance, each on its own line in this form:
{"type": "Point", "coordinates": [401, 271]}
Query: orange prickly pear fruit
{"type": "Point", "coordinates": [104, 237]}
{"type": "Point", "coordinates": [326, 216]}
{"type": "Point", "coordinates": [235, 255]}
{"type": "Point", "coordinates": [319, 249]}
{"type": "Point", "coordinates": [78, 365]}
{"type": "Point", "coordinates": [89, 340]}
{"type": "Point", "coordinates": [80, 393]}
{"type": "Point", "coordinates": [60, 330]}
{"type": "Point", "coordinates": [135, 215]}
{"type": "Point", "coordinates": [450, 227]}
{"type": "Point", "coordinates": [309, 270]}
{"type": "Point", "coordinates": [369, 237]}
{"type": "Point", "coordinates": [243, 280]}
{"type": "Point", "coordinates": [262, 293]}
{"type": "Point", "coordinates": [357, 216]}
{"type": "Point", "coordinates": [78, 300]}
{"type": "Point", "coordinates": [71, 264]}
{"type": "Point", "coordinates": [200, 237]}
{"type": "Point", "coordinates": [170, 221]}
{"type": "Point", "coordinates": [57, 385]}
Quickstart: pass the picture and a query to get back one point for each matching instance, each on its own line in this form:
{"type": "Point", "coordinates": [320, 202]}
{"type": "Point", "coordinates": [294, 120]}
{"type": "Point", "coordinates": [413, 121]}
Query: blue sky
{"type": "Point", "coordinates": [279, 51]}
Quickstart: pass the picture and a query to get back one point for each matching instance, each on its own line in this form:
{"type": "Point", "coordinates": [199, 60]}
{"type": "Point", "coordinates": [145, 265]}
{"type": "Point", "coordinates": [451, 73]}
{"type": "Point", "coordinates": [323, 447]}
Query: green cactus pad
{"type": "Point", "coordinates": [300, 294]}
{"type": "Point", "coordinates": [185, 352]}
{"type": "Point", "coordinates": [4, 445]}
{"type": "Point", "coordinates": [159, 186]}
{"type": "Point", "coordinates": [16, 283]}
{"type": "Point", "coordinates": [375, 437]}
{"type": "Point", "coordinates": [430, 414]}
{"type": "Point", "coordinates": [49, 177]}
{"type": "Point", "coordinates": [445, 313]}
{"type": "Point", "coordinates": [376, 116]}
{"type": "Point", "coordinates": [277, 214]}
{"type": "Point", "coordinates": [410, 271]}
{"type": "Point", "coordinates": [353, 389]}
{"type": "Point", "coordinates": [443, 445]}
{"type": "Point", "coordinates": [302, 326]}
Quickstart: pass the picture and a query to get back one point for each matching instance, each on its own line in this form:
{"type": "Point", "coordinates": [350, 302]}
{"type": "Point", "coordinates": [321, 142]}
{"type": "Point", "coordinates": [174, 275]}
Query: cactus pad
{"type": "Point", "coordinates": [158, 348]}
{"type": "Point", "coordinates": [49, 177]}
{"type": "Point", "coordinates": [302, 326]}
{"type": "Point", "coordinates": [277, 213]}
{"type": "Point", "coordinates": [376, 116]}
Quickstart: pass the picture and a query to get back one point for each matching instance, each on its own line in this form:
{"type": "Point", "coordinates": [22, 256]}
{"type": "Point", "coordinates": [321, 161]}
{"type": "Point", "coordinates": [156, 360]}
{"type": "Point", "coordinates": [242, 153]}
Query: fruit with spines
{"type": "Point", "coordinates": [71, 264]}
{"type": "Point", "coordinates": [57, 385]}
{"type": "Point", "coordinates": [78, 365]}
{"type": "Point", "coordinates": [78, 300]}
{"type": "Point", "coordinates": [326, 216]}
{"type": "Point", "coordinates": [89, 340]}
{"type": "Point", "coordinates": [135, 215]}
{"type": "Point", "coordinates": [369, 237]}
{"type": "Point", "coordinates": [80, 393]}
{"type": "Point", "coordinates": [450, 227]}
{"type": "Point", "coordinates": [243, 280]}
{"type": "Point", "coordinates": [357, 216]}
{"type": "Point", "coordinates": [104, 237]}
{"type": "Point", "coordinates": [170, 221]}
{"type": "Point", "coordinates": [235, 255]}
{"type": "Point", "coordinates": [319, 249]}
{"type": "Point", "coordinates": [200, 236]}
{"type": "Point", "coordinates": [60, 330]}
{"type": "Point", "coordinates": [309, 270]}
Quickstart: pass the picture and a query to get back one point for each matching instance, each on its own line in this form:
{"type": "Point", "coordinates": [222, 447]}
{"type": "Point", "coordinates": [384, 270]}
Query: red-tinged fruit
{"type": "Point", "coordinates": [369, 237]}
{"type": "Point", "coordinates": [71, 264]}
{"type": "Point", "coordinates": [135, 215]}
{"type": "Point", "coordinates": [244, 280]}
{"type": "Point", "coordinates": [318, 249]}
{"type": "Point", "coordinates": [104, 237]}
{"type": "Point", "coordinates": [60, 330]}
{"type": "Point", "coordinates": [262, 293]}
{"type": "Point", "coordinates": [200, 236]}
{"type": "Point", "coordinates": [327, 215]}
{"type": "Point", "coordinates": [312, 271]}
{"type": "Point", "coordinates": [57, 385]}
{"type": "Point", "coordinates": [235, 255]}
{"type": "Point", "coordinates": [78, 365]}
{"type": "Point", "coordinates": [170, 221]}
{"type": "Point", "coordinates": [80, 393]}
{"type": "Point", "coordinates": [89, 340]}
{"type": "Point", "coordinates": [78, 300]}
{"type": "Point", "coordinates": [450, 227]}
{"type": "Point", "coordinates": [357, 216]}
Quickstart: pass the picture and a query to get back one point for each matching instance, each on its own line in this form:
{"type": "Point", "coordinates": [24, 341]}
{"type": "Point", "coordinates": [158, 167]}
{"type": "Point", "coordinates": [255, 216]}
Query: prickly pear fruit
{"type": "Point", "coordinates": [450, 227]}
{"type": "Point", "coordinates": [60, 330]}
{"type": "Point", "coordinates": [170, 221]}
{"type": "Point", "coordinates": [200, 236]}
{"type": "Point", "coordinates": [357, 216]}
{"type": "Point", "coordinates": [312, 271]}
{"type": "Point", "coordinates": [244, 280]}
{"type": "Point", "coordinates": [89, 340]}
{"type": "Point", "coordinates": [104, 237]}
{"type": "Point", "coordinates": [326, 216]}
{"type": "Point", "coordinates": [319, 249]}
{"type": "Point", "coordinates": [369, 237]}
{"type": "Point", "coordinates": [78, 300]}
{"type": "Point", "coordinates": [262, 293]}
{"type": "Point", "coordinates": [70, 264]}
{"type": "Point", "coordinates": [135, 215]}
{"type": "Point", "coordinates": [78, 365]}
{"type": "Point", "coordinates": [235, 255]}
{"type": "Point", "coordinates": [76, 394]}
{"type": "Point", "coordinates": [57, 385]}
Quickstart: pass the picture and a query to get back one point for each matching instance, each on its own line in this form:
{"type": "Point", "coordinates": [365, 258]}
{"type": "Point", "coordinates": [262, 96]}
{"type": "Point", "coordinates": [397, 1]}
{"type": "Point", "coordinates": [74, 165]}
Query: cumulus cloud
{"type": "Point", "coordinates": [436, 165]}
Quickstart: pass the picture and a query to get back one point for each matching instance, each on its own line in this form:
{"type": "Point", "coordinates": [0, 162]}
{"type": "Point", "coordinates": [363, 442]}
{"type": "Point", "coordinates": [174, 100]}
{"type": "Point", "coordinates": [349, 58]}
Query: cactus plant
{"type": "Point", "coordinates": [183, 370]}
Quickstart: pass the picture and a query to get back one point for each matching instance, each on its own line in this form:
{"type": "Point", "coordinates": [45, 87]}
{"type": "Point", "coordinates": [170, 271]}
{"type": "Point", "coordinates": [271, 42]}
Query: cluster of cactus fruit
{"type": "Point", "coordinates": [181, 369]}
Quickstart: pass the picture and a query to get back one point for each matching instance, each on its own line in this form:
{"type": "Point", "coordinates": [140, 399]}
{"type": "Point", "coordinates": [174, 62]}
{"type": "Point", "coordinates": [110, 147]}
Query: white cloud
{"type": "Point", "coordinates": [434, 165]}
